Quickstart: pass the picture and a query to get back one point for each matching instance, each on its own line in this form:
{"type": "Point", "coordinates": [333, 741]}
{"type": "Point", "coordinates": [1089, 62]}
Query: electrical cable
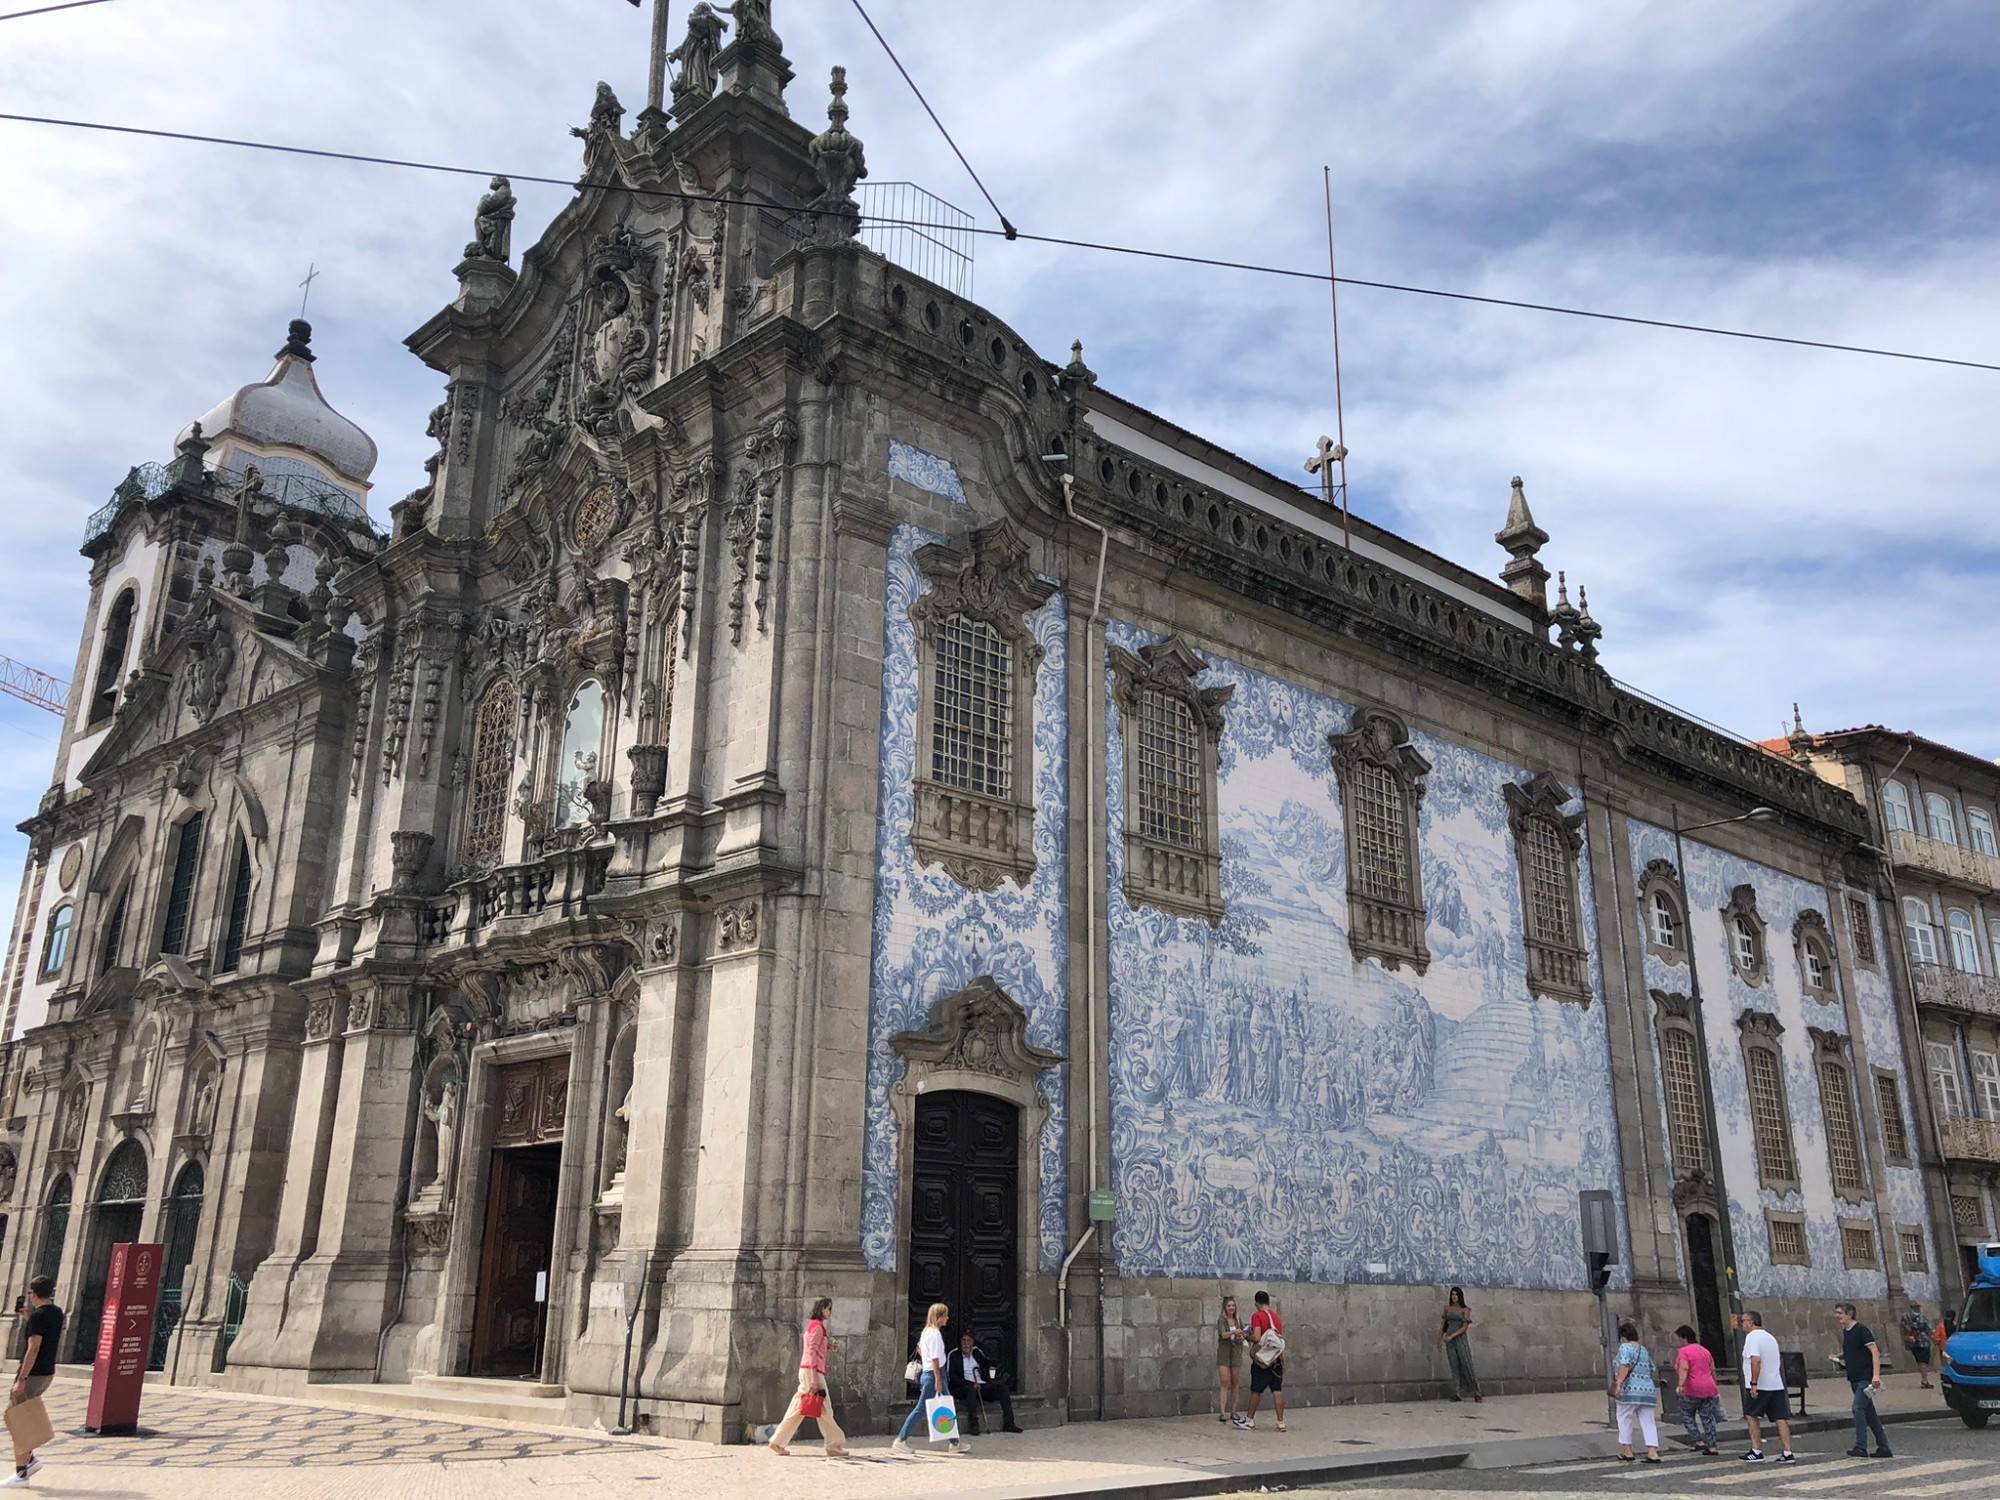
{"type": "Point", "coordinates": [1011, 233]}
{"type": "Point", "coordinates": [42, 10]}
{"type": "Point", "coordinates": [1006, 228]}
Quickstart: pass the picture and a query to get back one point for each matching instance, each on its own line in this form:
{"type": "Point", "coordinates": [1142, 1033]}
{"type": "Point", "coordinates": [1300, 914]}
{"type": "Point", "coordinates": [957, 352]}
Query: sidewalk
{"type": "Point", "coordinates": [204, 1443]}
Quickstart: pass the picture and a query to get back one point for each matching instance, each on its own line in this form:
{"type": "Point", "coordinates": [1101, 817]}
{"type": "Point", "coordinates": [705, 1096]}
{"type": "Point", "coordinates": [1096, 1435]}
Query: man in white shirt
{"type": "Point", "coordinates": [1764, 1395]}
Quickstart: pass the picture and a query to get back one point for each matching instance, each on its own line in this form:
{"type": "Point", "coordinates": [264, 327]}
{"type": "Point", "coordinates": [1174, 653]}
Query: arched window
{"type": "Point", "coordinates": [55, 1228]}
{"type": "Point", "coordinates": [1922, 935]}
{"type": "Point", "coordinates": [111, 658]}
{"type": "Point", "coordinates": [1680, 1073]}
{"type": "Point", "coordinates": [1836, 1103]}
{"type": "Point", "coordinates": [1546, 846]}
{"type": "Point", "coordinates": [1745, 929]}
{"type": "Point", "coordinates": [492, 772]}
{"type": "Point", "coordinates": [578, 762]}
{"type": "Point", "coordinates": [1937, 812]}
{"type": "Point", "coordinates": [1815, 947]}
{"type": "Point", "coordinates": [1946, 1081]}
{"type": "Point", "coordinates": [55, 946]}
{"type": "Point", "coordinates": [110, 946]}
{"type": "Point", "coordinates": [1172, 731]}
{"type": "Point", "coordinates": [239, 910]}
{"type": "Point", "coordinates": [1662, 913]}
{"type": "Point", "coordinates": [1964, 945]}
{"type": "Point", "coordinates": [1666, 920]}
{"type": "Point", "coordinates": [1979, 828]}
{"type": "Point", "coordinates": [1381, 784]}
{"type": "Point", "coordinates": [1896, 807]}
{"type": "Point", "coordinates": [180, 889]}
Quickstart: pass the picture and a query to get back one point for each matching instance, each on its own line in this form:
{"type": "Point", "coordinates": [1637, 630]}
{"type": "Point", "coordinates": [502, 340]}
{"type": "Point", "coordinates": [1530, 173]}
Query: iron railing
{"type": "Point", "coordinates": [1954, 989]}
{"type": "Point", "coordinates": [1952, 862]}
{"type": "Point", "coordinates": [148, 482]}
{"type": "Point", "coordinates": [164, 1323]}
{"type": "Point", "coordinates": [235, 1302]}
{"type": "Point", "coordinates": [142, 482]}
{"type": "Point", "coordinates": [918, 231]}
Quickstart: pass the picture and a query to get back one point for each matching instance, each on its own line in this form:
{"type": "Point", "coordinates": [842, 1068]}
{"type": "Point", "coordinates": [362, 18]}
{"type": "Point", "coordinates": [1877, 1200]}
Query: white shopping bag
{"type": "Point", "coordinates": [941, 1417]}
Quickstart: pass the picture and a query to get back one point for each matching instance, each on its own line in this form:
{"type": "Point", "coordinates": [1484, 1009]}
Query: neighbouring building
{"type": "Point", "coordinates": [813, 797]}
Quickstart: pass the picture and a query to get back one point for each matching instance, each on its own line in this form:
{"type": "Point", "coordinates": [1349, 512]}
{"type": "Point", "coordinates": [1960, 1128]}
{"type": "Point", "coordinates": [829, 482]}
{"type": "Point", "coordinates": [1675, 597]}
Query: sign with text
{"type": "Point", "coordinates": [124, 1339]}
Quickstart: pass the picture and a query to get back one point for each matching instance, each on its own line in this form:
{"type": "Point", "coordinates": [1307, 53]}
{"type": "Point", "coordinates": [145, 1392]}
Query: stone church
{"type": "Point", "coordinates": [813, 797]}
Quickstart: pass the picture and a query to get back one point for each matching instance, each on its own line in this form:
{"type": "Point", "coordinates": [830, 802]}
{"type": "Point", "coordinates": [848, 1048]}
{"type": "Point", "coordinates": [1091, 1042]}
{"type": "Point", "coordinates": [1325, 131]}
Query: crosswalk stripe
{"type": "Point", "coordinates": [1850, 1476]}
{"type": "Point", "coordinates": [1948, 1487]}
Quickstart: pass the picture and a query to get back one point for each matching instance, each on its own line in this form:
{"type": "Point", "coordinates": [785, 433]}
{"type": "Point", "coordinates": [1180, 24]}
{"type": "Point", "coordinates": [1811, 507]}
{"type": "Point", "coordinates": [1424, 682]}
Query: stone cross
{"type": "Point", "coordinates": [312, 275]}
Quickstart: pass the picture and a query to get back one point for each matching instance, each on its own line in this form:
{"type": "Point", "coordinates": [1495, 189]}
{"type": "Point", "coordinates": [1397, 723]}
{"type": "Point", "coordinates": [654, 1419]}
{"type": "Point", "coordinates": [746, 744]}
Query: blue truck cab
{"type": "Point", "coordinates": [1970, 1370]}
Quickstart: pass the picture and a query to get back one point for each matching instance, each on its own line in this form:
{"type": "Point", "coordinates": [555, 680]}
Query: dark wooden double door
{"type": "Point", "coordinates": [508, 1326]}
{"type": "Point", "coordinates": [965, 1221]}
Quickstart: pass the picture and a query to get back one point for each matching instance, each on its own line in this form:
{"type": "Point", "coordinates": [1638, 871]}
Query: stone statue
{"type": "Point", "coordinates": [838, 159]}
{"type": "Point", "coordinates": [8, 1170]}
{"type": "Point", "coordinates": [444, 1115]}
{"type": "Point", "coordinates": [623, 1114]}
{"type": "Point", "coordinates": [605, 115]}
{"type": "Point", "coordinates": [493, 222]}
{"type": "Point", "coordinates": [696, 55]}
{"type": "Point", "coordinates": [753, 20]}
{"type": "Point", "coordinates": [69, 1129]}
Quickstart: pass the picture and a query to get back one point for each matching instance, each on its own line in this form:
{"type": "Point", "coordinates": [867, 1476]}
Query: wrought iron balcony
{"type": "Point", "coordinates": [1971, 1140]}
{"type": "Point", "coordinates": [1953, 862]}
{"type": "Point", "coordinates": [1956, 990]}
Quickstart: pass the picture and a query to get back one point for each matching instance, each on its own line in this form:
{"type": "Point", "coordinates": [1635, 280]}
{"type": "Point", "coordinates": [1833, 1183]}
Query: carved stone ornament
{"type": "Point", "coordinates": [1661, 877]}
{"type": "Point", "coordinates": [979, 834]}
{"type": "Point", "coordinates": [1742, 908]}
{"type": "Point", "coordinates": [211, 654]}
{"type": "Point", "coordinates": [736, 926]}
{"type": "Point", "coordinates": [980, 1029]}
{"type": "Point", "coordinates": [430, 1233]}
{"type": "Point", "coordinates": [1695, 1190]}
{"type": "Point", "coordinates": [649, 777]}
{"type": "Point", "coordinates": [1173, 844]}
{"type": "Point", "coordinates": [597, 515]}
{"type": "Point", "coordinates": [1547, 842]}
{"type": "Point", "coordinates": [409, 852]}
{"type": "Point", "coordinates": [1671, 1005]}
{"type": "Point", "coordinates": [1760, 1023]}
{"type": "Point", "coordinates": [70, 1115]}
{"type": "Point", "coordinates": [319, 1018]}
{"type": "Point", "coordinates": [9, 1171]}
{"type": "Point", "coordinates": [662, 940]}
{"type": "Point", "coordinates": [1378, 768]}
{"type": "Point", "coordinates": [1827, 1043]}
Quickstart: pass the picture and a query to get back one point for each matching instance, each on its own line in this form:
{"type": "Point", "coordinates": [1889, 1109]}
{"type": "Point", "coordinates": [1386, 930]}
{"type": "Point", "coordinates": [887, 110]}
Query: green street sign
{"type": "Point", "coordinates": [1103, 1207]}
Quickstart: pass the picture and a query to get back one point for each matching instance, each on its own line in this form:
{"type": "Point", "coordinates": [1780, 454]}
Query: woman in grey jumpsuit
{"type": "Point", "coordinates": [1452, 1331]}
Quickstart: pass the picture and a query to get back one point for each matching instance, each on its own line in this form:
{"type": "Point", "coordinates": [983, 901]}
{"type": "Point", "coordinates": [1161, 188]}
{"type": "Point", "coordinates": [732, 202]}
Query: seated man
{"type": "Point", "coordinates": [973, 1379]}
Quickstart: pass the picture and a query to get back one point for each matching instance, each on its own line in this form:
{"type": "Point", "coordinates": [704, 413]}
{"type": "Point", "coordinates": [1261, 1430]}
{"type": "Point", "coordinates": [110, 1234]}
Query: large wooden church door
{"type": "Point", "coordinates": [520, 1218]}
{"type": "Point", "coordinates": [965, 1221]}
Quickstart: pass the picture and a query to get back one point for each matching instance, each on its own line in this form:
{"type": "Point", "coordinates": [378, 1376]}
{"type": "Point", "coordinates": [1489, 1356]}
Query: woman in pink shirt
{"type": "Point", "coordinates": [1701, 1402]}
{"type": "Point", "coordinates": [812, 1382]}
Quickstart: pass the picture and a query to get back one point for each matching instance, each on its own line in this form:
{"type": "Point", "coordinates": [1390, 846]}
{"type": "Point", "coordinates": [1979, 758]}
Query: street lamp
{"type": "Point", "coordinates": [1755, 815]}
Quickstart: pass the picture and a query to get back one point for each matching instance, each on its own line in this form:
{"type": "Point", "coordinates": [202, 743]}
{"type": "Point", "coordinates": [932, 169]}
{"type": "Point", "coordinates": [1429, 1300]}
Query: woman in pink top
{"type": "Point", "coordinates": [812, 1381]}
{"type": "Point", "coordinates": [1701, 1402]}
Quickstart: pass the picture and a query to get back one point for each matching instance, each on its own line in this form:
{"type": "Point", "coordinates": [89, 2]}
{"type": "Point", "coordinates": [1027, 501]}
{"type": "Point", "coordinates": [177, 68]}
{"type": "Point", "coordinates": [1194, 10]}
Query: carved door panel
{"type": "Point", "coordinates": [529, 1101]}
{"type": "Point", "coordinates": [520, 1230]}
{"type": "Point", "coordinates": [965, 1220]}
{"type": "Point", "coordinates": [1706, 1289]}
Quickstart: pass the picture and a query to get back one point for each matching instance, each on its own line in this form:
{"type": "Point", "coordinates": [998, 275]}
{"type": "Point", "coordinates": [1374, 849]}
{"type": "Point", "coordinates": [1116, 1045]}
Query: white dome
{"type": "Point", "coordinates": [286, 410]}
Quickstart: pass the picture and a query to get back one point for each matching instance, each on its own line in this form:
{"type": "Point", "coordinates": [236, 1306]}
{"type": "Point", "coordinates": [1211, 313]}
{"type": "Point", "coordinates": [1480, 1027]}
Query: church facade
{"type": "Point", "coordinates": [814, 798]}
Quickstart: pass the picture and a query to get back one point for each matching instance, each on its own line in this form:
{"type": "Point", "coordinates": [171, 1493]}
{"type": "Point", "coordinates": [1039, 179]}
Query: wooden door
{"type": "Point", "coordinates": [965, 1221]}
{"type": "Point", "coordinates": [520, 1230]}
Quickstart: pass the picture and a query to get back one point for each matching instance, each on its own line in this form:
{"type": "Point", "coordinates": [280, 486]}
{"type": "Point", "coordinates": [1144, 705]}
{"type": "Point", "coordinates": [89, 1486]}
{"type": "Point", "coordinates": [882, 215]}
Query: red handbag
{"type": "Point", "coordinates": [812, 1403]}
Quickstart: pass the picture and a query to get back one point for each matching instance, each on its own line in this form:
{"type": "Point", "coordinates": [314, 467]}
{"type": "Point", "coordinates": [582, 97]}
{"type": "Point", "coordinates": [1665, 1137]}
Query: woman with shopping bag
{"type": "Point", "coordinates": [933, 1398]}
{"type": "Point", "coordinates": [811, 1398]}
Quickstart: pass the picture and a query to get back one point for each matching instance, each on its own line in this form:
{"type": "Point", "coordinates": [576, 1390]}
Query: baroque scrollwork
{"type": "Point", "coordinates": [736, 926]}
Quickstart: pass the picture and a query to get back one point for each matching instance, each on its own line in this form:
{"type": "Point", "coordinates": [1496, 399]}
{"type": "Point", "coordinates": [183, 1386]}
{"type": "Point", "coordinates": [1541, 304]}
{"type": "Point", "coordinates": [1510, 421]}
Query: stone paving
{"type": "Point", "coordinates": [201, 1444]}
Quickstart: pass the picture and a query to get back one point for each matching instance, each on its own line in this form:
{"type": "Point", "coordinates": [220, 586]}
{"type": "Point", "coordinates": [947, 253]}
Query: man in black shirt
{"type": "Point", "coordinates": [973, 1383]}
{"type": "Point", "coordinates": [43, 1328]}
{"type": "Point", "coordinates": [1862, 1360]}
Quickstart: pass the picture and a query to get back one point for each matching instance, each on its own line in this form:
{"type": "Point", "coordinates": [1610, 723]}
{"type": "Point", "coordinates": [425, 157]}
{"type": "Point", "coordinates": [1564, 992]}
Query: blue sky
{"type": "Point", "coordinates": [1755, 524]}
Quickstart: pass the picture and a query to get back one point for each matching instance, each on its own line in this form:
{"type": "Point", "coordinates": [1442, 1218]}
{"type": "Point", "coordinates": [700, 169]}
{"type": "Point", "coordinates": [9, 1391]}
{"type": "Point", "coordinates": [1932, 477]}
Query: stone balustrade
{"type": "Point", "coordinates": [1954, 989]}
{"type": "Point", "coordinates": [1953, 862]}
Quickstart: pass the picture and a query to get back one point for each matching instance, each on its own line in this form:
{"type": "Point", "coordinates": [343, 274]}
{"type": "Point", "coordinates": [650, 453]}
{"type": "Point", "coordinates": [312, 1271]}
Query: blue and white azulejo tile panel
{"type": "Point", "coordinates": [1280, 1110]}
{"type": "Point", "coordinates": [932, 936]}
{"type": "Point", "coordinates": [928, 472]}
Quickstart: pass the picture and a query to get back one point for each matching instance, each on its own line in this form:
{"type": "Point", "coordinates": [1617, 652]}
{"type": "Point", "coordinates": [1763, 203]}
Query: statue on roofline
{"type": "Point", "coordinates": [493, 224]}
{"type": "Point", "coordinates": [605, 114]}
{"type": "Point", "coordinates": [696, 55]}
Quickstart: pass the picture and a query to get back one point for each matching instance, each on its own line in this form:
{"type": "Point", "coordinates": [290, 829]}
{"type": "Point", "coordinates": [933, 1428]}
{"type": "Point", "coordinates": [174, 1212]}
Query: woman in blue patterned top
{"type": "Point", "coordinates": [1637, 1395]}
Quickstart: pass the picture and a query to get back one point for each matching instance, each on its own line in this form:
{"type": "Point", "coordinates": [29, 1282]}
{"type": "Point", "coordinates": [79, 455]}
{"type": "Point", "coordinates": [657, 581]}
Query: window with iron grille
{"type": "Point", "coordinates": [1381, 845]}
{"type": "Point", "coordinates": [1170, 771]}
{"type": "Point", "coordinates": [1771, 1128]}
{"type": "Point", "coordinates": [1788, 1240]}
{"type": "Point", "coordinates": [972, 724]}
{"type": "Point", "coordinates": [1895, 1129]}
{"type": "Point", "coordinates": [114, 932]}
{"type": "Point", "coordinates": [1843, 1146]}
{"type": "Point", "coordinates": [1864, 930]}
{"type": "Point", "coordinates": [492, 773]}
{"type": "Point", "coordinates": [239, 912]}
{"type": "Point", "coordinates": [1857, 1247]}
{"type": "Point", "coordinates": [1551, 905]}
{"type": "Point", "coordinates": [1910, 1243]}
{"type": "Point", "coordinates": [180, 891]}
{"type": "Point", "coordinates": [1968, 1213]}
{"type": "Point", "coordinates": [1687, 1135]}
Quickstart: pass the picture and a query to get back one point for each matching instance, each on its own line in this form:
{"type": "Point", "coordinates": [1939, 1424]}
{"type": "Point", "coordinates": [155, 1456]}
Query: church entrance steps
{"type": "Point", "coordinates": [448, 1397]}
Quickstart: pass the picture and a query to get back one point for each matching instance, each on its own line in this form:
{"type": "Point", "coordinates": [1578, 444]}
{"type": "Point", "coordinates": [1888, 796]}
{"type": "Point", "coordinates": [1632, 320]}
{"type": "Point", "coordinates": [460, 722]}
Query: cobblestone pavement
{"type": "Point", "coordinates": [1936, 1458]}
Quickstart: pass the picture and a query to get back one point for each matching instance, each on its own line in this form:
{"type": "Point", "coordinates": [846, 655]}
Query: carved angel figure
{"type": "Point", "coordinates": [696, 55]}
{"type": "Point", "coordinates": [493, 222]}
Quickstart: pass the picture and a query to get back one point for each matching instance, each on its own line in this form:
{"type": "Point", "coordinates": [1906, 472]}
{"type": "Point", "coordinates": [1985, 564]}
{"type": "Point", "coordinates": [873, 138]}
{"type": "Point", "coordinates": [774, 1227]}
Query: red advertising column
{"type": "Point", "coordinates": [124, 1339]}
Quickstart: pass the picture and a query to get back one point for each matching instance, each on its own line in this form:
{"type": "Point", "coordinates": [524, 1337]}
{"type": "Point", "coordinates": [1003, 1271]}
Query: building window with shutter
{"type": "Point", "coordinates": [1172, 732]}
{"type": "Point", "coordinates": [977, 663]}
{"type": "Point", "coordinates": [1857, 1247]}
{"type": "Point", "coordinates": [1770, 1117]}
{"type": "Point", "coordinates": [1836, 1103]}
{"type": "Point", "coordinates": [1861, 923]}
{"type": "Point", "coordinates": [1680, 1077]}
{"type": "Point", "coordinates": [1922, 934]}
{"type": "Point", "coordinates": [1381, 777]}
{"type": "Point", "coordinates": [1664, 912]}
{"type": "Point", "coordinates": [1895, 1124]}
{"type": "Point", "coordinates": [180, 888]}
{"type": "Point", "coordinates": [1547, 842]}
{"type": "Point", "coordinates": [492, 774]}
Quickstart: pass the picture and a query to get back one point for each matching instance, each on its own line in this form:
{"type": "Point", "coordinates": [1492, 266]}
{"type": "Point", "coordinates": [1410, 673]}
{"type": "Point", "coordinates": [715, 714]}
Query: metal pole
{"type": "Point", "coordinates": [656, 73]}
{"type": "Point", "coordinates": [1708, 1089]}
{"type": "Point", "coordinates": [1604, 1347]}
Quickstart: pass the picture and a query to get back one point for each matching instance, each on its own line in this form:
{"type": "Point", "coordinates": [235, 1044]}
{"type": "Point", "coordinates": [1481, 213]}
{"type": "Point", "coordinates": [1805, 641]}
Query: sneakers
{"type": "Point", "coordinates": [1243, 1424]}
{"type": "Point", "coordinates": [34, 1465]}
{"type": "Point", "coordinates": [1788, 1457]}
{"type": "Point", "coordinates": [18, 1477]}
{"type": "Point", "coordinates": [959, 1447]}
{"type": "Point", "coordinates": [1754, 1456]}
{"type": "Point", "coordinates": [1878, 1453]}
{"type": "Point", "coordinates": [900, 1446]}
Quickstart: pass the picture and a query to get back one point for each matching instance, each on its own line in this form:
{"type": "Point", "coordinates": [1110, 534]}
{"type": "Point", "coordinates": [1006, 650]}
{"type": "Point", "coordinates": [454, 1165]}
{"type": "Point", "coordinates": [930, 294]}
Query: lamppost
{"type": "Point", "coordinates": [1755, 815]}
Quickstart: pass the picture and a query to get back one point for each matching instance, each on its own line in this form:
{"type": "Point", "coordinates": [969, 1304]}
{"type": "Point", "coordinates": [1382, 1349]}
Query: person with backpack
{"type": "Point", "coordinates": [1917, 1339]}
{"type": "Point", "coordinates": [1267, 1362]}
{"type": "Point", "coordinates": [811, 1398]}
{"type": "Point", "coordinates": [1637, 1393]}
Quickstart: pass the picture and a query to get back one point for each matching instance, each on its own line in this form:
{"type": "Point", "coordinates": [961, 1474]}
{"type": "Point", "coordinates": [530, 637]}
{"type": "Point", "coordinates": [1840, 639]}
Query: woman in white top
{"type": "Point", "coordinates": [931, 1380]}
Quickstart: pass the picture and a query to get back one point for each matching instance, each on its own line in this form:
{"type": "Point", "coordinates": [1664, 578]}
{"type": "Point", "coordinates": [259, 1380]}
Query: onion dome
{"type": "Point", "coordinates": [285, 415]}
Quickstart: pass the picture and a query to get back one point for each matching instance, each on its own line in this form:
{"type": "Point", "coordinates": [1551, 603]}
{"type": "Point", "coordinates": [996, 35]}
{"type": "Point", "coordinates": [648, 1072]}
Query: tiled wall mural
{"type": "Point", "coordinates": [1712, 876]}
{"type": "Point", "coordinates": [933, 936]}
{"type": "Point", "coordinates": [1280, 1112]}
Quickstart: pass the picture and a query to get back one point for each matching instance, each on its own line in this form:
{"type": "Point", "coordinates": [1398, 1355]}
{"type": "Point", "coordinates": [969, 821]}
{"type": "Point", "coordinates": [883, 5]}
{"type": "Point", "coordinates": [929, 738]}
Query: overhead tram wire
{"type": "Point", "coordinates": [43, 10]}
{"type": "Point", "coordinates": [1011, 233]}
{"type": "Point", "coordinates": [1006, 228]}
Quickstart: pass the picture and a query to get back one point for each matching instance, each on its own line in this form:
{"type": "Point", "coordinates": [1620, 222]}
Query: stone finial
{"type": "Point", "coordinates": [298, 341]}
{"type": "Point", "coordinates": [190, 454]}
{"type": "Point", "coordinates": [1523, 539]}
{"type": "Point", "coordinates": [1564, 614]}
{"type": "Point", "coordinates": [1076, 372]}
{"type": "Point", "coordinates": [1800, 741]}
{"type": "Point", "coordinates": [1588, 631]}
{"type": "Point", "coordinates": [838, 159]}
